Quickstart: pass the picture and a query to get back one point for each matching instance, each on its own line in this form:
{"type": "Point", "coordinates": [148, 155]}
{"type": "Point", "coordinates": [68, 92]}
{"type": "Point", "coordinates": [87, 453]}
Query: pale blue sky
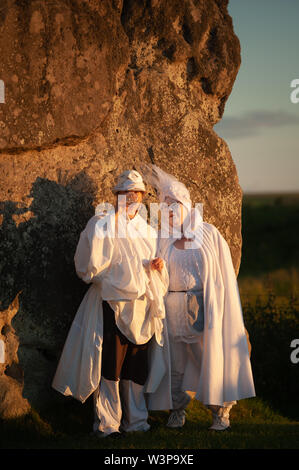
{"type": "Point", "coordinates": [260, 124]}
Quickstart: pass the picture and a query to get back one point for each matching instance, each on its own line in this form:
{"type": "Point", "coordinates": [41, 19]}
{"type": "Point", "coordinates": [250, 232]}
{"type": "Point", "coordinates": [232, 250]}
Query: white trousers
{"type": "Point", "coordinates": [119, 405]}
{"type": "Point", "coordinates": [180, 353]}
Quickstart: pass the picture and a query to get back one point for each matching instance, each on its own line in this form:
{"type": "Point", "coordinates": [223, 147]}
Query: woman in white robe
{"type": "Point", "coordinates": [207, 337]}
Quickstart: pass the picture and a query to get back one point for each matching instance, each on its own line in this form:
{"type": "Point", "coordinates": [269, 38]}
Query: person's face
{"type": "Point", "coordinates": [129, 201]}
{"type": "Point", "coordinates": [176, 213]}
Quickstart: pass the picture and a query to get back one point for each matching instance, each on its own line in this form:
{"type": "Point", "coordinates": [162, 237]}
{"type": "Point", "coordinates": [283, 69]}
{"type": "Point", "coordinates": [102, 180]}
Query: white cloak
{"type": "Point", "coordinates": [117, 269]}
{"type": "Point", "coordinates": [225, 374]}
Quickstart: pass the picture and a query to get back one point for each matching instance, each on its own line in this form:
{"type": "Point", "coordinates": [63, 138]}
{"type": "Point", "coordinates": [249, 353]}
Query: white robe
{"type": "Point", "coordinates": [117, 270]}
{"type": "Point", "coordinates": [225, 374]}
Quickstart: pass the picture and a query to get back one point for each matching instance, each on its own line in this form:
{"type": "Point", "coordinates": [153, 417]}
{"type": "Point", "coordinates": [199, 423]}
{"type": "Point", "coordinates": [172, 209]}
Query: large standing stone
{"type": "Point", "coordinates": [91, 88]}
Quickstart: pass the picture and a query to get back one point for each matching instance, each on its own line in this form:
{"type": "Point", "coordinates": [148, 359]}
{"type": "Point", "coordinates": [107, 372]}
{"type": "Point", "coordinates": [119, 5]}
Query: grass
{"type": "Point", "coordinates": [269, 289]}
{"type": "Point", "coordinates": [283, 283]}
{"type": "Point", "coordinates": [254, 425]}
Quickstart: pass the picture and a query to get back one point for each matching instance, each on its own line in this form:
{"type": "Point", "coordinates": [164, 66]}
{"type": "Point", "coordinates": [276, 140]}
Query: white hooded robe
{"type": "Point", "coordinates": [225, 373]}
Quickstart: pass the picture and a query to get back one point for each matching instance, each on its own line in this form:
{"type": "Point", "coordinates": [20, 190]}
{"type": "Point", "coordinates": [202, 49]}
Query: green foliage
{"type": "Point", "coordinates": [270, 237]}
{"type": "Point", "coordinates": [269, 290]}
{"type": "Point", "coordinates": [271, 329]}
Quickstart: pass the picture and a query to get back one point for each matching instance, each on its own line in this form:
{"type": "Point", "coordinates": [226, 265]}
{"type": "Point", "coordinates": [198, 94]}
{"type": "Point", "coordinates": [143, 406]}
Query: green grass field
{"type": "Point", "coordinates": [254, 425]}
{"type": "Point", "coordinates": [269, 288]}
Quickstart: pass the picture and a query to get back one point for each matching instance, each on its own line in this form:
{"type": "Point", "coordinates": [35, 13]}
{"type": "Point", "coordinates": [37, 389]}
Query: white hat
{"type": "Point", "coordinates": [129, 180]}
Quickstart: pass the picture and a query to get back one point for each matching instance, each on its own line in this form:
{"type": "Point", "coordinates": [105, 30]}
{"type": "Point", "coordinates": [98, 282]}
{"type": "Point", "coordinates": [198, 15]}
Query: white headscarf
{"type": "Point", "coordinates": [169, 187]}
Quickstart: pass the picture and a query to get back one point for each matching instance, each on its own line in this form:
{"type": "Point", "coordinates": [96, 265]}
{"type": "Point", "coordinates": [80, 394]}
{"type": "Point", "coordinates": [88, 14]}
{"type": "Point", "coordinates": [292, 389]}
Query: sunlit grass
{"type": "Point", "coordinates": [283, 283]}
{"type": "Point", "coordinates": [254, 424]}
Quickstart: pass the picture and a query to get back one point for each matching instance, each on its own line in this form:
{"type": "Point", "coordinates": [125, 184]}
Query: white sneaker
{"type": "Point", "coordinates": [144, 428]}
{"type": "Point", "coordinates": [176, 419]}
{"type": "Point", "coordinates": [220, 419]}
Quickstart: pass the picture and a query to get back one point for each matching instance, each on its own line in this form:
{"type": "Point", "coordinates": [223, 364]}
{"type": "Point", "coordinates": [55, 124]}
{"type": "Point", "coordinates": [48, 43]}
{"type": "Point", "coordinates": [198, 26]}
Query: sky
{"type": "Point", "coordinates": [260, 123]}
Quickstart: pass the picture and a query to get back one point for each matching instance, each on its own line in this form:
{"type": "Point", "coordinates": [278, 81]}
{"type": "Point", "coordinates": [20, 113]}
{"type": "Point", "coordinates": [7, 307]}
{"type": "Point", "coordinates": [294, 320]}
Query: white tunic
{"type": "Point", "coordinates": [184, 267]}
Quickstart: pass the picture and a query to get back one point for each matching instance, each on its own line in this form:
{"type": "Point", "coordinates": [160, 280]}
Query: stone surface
{"type": "Point", "coordinates": [91, 88]}
{"type": "Point", "coordinates": [12, 402]}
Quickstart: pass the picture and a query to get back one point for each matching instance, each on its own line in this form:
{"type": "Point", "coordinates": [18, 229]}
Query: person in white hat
{"type": "Point", "coordinates": [117, 347]}
{"type": "Point", "coordinates": [207, 337]}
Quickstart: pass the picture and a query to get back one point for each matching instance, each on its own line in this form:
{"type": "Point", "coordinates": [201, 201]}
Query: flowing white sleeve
{"type": "Point", "coordinates": [233, 318]}
{"type": "Point", "coordinates": [94, 252]}
{"type": "Point", "coordinates": [156, 289]}
{"type": "Point", "coordinates": [229, 275]}
{"type": "Point", "coordinates": [236, 345]}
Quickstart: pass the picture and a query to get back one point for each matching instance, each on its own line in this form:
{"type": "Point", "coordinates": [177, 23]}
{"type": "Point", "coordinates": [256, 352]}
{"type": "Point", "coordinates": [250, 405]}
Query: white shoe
{"type": "Point", "coordinates": [145, 427]}
{"type": "Point", "coordinates": [176, 419]}
{"type": "Point", "coordinates": [220, 419]}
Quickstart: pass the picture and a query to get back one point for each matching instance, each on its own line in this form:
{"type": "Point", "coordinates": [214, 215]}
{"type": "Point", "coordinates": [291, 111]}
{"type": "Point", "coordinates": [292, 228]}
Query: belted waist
{"type": "Point", "coordinates": [189, 290]}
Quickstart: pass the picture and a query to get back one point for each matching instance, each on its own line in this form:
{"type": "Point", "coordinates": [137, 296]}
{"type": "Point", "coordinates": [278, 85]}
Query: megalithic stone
{"type": "Point", "coordinates": [92, 88]}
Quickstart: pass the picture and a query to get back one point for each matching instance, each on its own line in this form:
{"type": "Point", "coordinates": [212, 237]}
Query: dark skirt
{"type": "Point", "coordinates": [122, 359]}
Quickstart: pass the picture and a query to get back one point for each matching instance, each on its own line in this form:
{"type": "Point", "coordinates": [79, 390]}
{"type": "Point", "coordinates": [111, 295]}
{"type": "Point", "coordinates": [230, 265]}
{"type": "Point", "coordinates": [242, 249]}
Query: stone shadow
{"type": "Point", "coordinates": [36, 264]}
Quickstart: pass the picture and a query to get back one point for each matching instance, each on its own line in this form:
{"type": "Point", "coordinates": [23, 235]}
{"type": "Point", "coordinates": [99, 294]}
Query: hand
{"type": "Point", "coordinates": [157, 264]}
